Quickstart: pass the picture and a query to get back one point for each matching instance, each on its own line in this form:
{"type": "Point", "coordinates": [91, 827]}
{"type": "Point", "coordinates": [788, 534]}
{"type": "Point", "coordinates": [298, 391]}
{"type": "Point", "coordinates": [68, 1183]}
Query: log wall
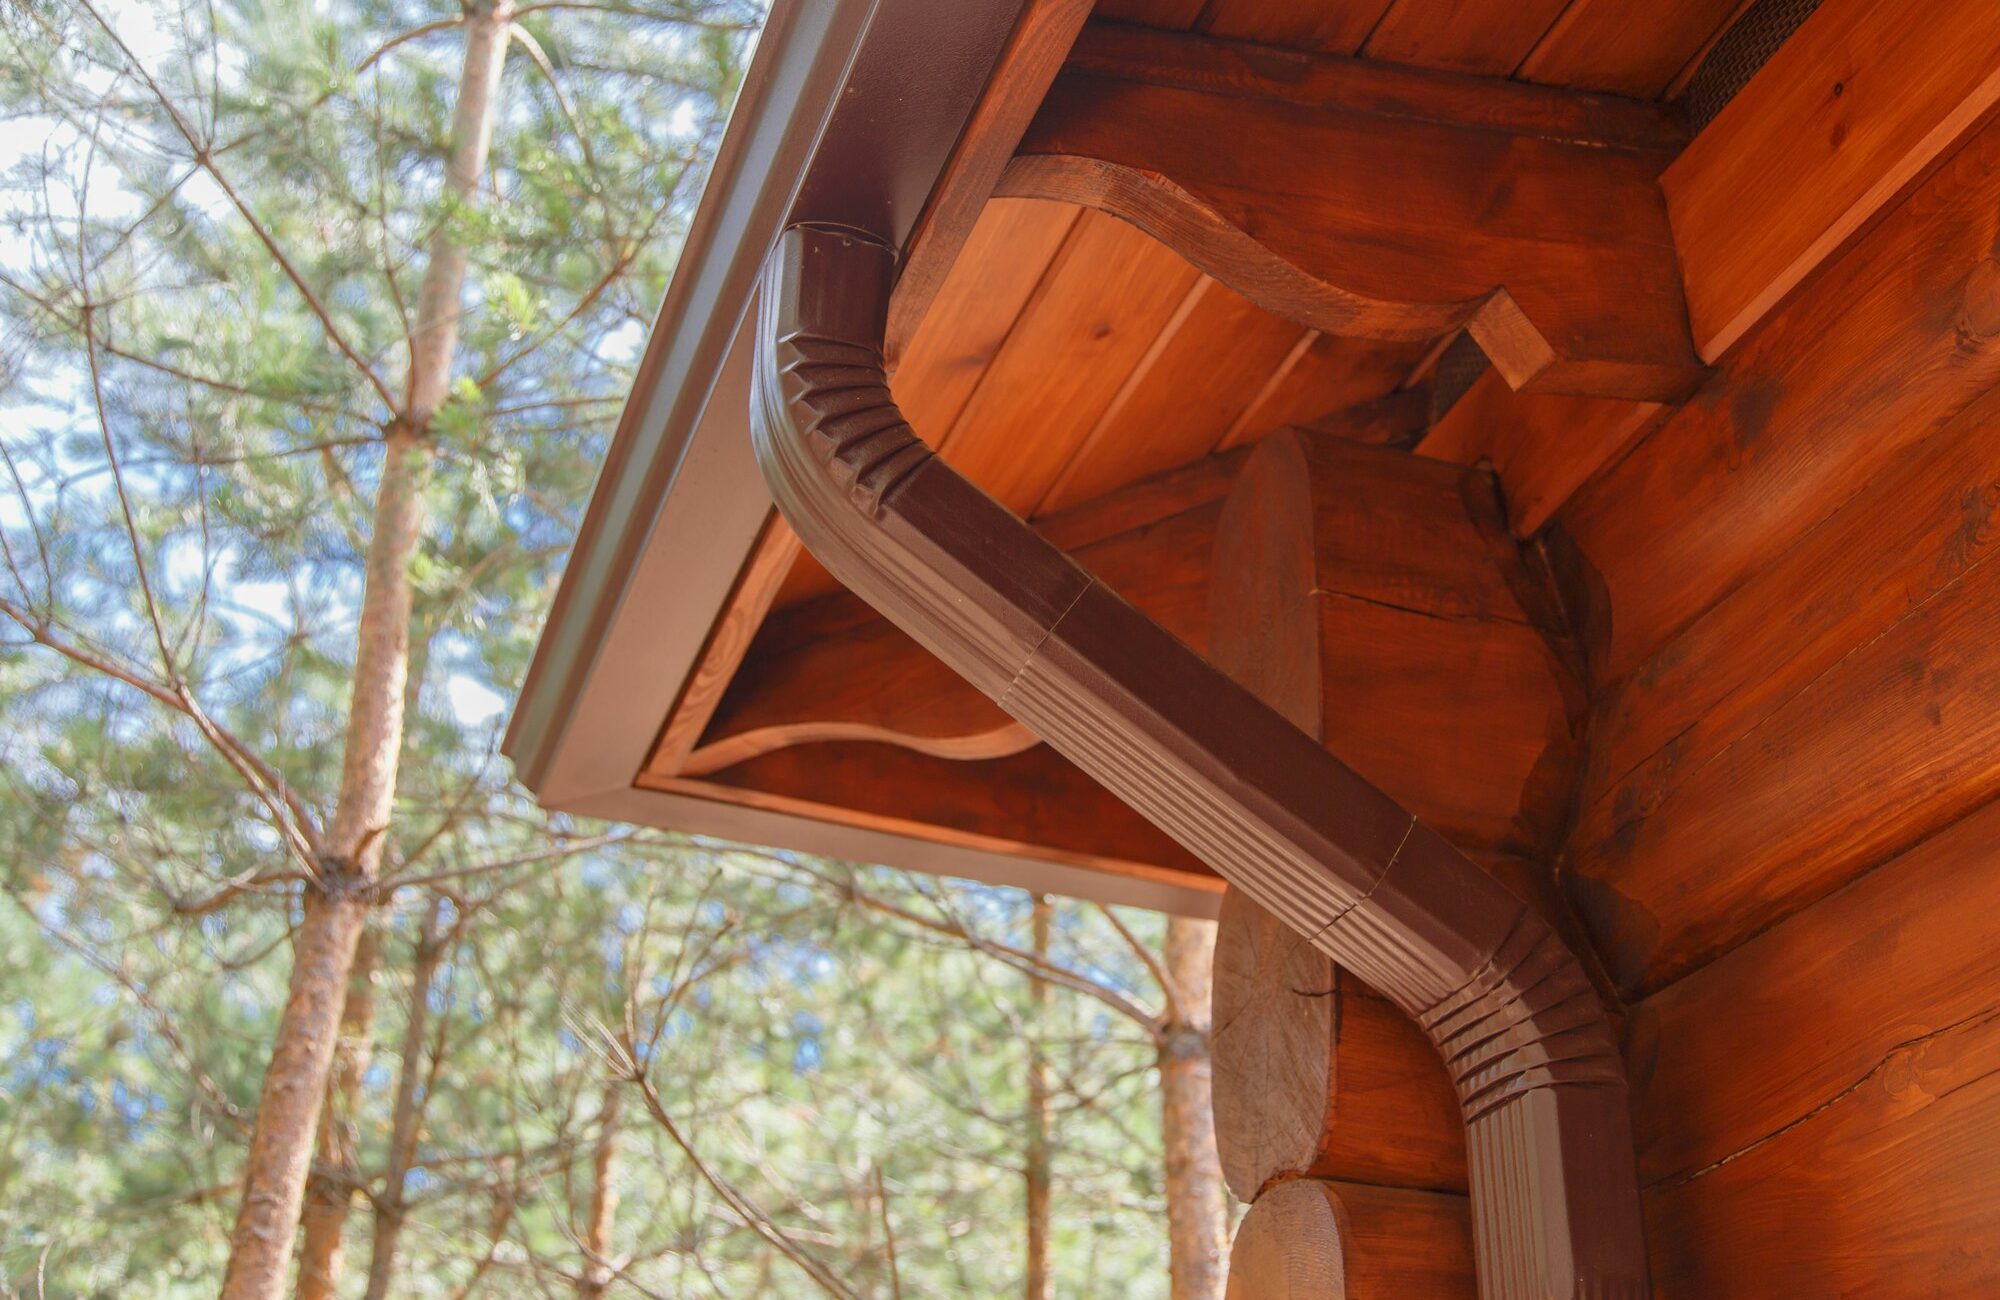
{"type": "Point", "coordinates": [1786, 847]}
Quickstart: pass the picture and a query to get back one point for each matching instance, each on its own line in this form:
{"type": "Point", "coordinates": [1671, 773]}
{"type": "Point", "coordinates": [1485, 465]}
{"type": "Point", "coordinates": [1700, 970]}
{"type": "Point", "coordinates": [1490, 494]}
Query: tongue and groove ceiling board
{"type": "Point", "coordinates": [1068, 355]}
{"type": "Point", "coordinates": [1617, 46]}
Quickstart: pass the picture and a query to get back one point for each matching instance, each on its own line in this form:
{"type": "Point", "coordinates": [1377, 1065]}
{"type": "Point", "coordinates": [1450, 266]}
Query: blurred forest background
{"type": "Point", "coordinates": [315, 319]}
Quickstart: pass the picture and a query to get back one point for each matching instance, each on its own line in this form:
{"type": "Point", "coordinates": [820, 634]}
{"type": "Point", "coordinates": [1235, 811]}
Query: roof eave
{"type": "Point", "coordinates": [839, 91]}
{"type": "Point", "coordinates": [846, 101]}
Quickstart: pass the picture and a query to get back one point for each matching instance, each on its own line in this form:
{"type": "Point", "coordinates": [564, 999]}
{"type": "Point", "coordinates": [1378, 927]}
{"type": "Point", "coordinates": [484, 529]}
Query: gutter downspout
{"type": "Point", "coordinates": [1540, 1082]}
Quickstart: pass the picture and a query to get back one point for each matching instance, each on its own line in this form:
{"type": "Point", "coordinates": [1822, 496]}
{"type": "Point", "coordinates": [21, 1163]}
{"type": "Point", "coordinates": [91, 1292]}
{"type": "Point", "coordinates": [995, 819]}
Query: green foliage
{"type": "Point", "coordinates": [844, 1070]}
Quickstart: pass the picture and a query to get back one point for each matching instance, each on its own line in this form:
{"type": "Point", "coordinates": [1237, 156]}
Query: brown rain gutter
{"type": "Point", "coordinates": [1540, 1083]}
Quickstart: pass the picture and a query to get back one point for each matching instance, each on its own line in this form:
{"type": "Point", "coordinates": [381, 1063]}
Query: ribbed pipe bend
{"type": "Point", "coordinates": [1539, 1078]}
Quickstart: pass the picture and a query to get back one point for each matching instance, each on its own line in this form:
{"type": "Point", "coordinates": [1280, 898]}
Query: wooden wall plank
{"type": "Point", "coordinates": [1856, 715]}
{"type": "Point", "coordinates": [1488, 37]}
{"type": "Point", "coordinates": [1542, 446]}
{"type": "Point", "coordinates": [1861, 100]}
{"type": "Point", "coordinates": [1887, 346]}
{"type": "Point", "coordinates": [1179, 407]}
{"type": "Point", "coordinates": [1893, 1191]}
{"type": "Point", "coordinates": [1788, 1022]}
{"type": "Point", "coordinates": [1923, 526]}
{"type": "Point", "coordinates": [1623, 48]}
{"type": "Point", "coordinates": [1005, 259]}
{"type": "Point", "coordinates": [1109, 294]}
{"type": "Point", "coordinates": [1322, 374]}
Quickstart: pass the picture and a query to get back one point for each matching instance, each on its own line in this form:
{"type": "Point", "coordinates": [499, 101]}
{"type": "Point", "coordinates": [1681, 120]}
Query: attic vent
{"type": "Point", "coordinates": [1457, 368]}
{"type": "Point", "coordinates": [1747, 46]}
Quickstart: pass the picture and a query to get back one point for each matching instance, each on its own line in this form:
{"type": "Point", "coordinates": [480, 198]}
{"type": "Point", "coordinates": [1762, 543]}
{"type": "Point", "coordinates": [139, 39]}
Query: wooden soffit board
{"type": "Point", "coordinates": [1101, 384]}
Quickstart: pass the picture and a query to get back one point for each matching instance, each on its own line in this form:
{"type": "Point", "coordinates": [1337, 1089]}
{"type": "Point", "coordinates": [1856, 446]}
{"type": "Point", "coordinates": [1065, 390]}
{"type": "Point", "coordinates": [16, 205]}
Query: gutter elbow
{"type": "Point", "coordinates": [1538, 1074]}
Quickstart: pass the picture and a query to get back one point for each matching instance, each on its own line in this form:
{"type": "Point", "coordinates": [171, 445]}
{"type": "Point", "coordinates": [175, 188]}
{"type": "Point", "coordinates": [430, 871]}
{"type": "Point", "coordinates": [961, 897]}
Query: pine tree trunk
{"type": "Point", "coordinates": [407, 1121]}
{"type": "Point", "coordinates": [336, 906]}
{"type": "Point", "coordinates": [329, 1195]}
{"type": "Point", "coordinates": [1197, 1223]}
{"type": "Point", "coordinates": [1038, 1173]}
{"type": "Point", "coordinates": [597, 1230]}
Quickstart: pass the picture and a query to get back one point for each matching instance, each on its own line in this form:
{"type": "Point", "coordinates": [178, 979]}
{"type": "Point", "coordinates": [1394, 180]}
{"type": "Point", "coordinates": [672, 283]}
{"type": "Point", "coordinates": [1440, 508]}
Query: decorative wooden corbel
{"type": "Point", "coordinates": [1370, 200]}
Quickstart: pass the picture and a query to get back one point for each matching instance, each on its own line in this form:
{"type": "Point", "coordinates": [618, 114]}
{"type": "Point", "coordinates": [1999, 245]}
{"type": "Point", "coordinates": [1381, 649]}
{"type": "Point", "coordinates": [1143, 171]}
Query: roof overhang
{"type": "Point", "coordinates": [848, 105]}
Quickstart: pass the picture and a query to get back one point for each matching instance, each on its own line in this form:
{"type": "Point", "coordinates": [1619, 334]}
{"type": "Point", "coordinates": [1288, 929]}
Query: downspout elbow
{"type": "Point", "coordinates": [1538, 1073]}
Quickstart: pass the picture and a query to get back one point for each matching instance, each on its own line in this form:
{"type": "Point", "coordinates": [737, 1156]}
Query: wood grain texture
{"type": "Point", "coordinates": [1362, 594]}
{"type": "Point", "coordinates": [1310, 1240]}
{"type": "Point", "coordinates": [1489, 37]}
{"type": "Point", "coordinates": [1332, 27]}
{"type": "Point", "coordinates": [813, 678]}
{"type": "Point", "coordinates": [1839, 707]}
{"type": "Point", "coordinates": [1623, 48]}
{"type": "Point", "coordinates": [1003, 264]}
{"type": "Point", "coordinates": [1321, 375]}
{"type": "Point", "coordinates": [1175, 408]}
{"type": "Point", "coordinates": [1303, 80]}
{"type": "Point", "coordinates": [1000, 270]}
{"type": "Point", "coordinates": [1029, 805]}
{"type": "Point", "coordinates": [1107, 298]}
{"type": "Point", "coordinates": [1924, 525]}
{"type": "Point", "coordinates": [1888, 344]}
{"type": "Point", "coordinates": [1891, 1191]}
{"type": "Point", "coordinates": [1556, 255]}
{"type": "Point", "coordinates": [872, 683]}
{"type": "Point", "coordinates": [1538, 1074]}
{"type": "Point", "coordinates": [1831, 997]}
{"type": "Point", "coordinates": [757, 589]}
{"type": "Point", "coordinates": [1316, 1076]}
{"type": "Point", "coordinates": [1040, 41]}
{"type": "Point", "coordinates": [1543, 447]}
{"type": "Point", "coordinates": [1852, 109]}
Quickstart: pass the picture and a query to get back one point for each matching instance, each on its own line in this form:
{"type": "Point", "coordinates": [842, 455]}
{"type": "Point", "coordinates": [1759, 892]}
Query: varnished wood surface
{"type": "Point", "coordinates": [1792, 622]}
{"type": "Point", "coordinates": [757, 588]}
{"type": "Point", "coordinates": [1863, 98]}
{"type": "Point", "coordinates": [1819, 1111]}
{"type": "Point", "coordinates": [1039, 44]}
{"type": "Point", "coordinates": [1543, 447]}
{"type": "Point", "coordinates": [1490, 37]}
{"type": "Point", "coordinates": [1885, 347]}
{"type": "Point", "coordinates": [1042, 307]}
{"type": "Point", "coordinates": [1363, 594]}
{"type": "Point", "coordinates": [1797, 620]}
{"type": "Point", "coordinates": [1030, 805]}
{"type": "Point", "coordinates": [1173, 406]}
{"type": "Point", "coordinates": [1315, 1075]}
{"type": "Point", "coordinates": [1607, 45]}
{"type": "Point", "coordinates": [1623, 48]}
{"type": "Point", "coordinates": [1574, 233]}
{"type": "Point", "coordinates": [870, 681]}
{"type": "Point", "coordinates": [1309, 1240]}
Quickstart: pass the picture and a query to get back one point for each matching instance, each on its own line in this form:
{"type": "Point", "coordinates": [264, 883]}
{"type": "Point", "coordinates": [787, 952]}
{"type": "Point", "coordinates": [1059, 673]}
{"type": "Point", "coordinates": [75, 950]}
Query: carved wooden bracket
{"type": "Point", "coordinates": [1387, 202]}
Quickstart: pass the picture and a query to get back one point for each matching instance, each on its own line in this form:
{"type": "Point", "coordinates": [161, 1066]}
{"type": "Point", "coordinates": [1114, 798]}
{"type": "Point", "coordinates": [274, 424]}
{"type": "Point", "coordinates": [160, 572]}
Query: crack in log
{"type": "Point", "coordinates": [1987, 1016]}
